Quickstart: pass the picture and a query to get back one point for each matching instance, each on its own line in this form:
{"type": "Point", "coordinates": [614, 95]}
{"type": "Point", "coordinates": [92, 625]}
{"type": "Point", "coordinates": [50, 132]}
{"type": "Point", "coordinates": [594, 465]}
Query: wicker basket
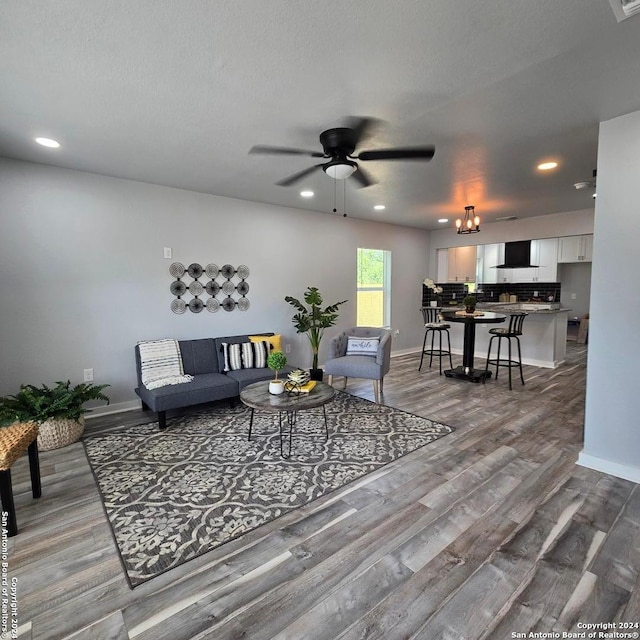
{"type": "Point", "coordinates": [59, 432]}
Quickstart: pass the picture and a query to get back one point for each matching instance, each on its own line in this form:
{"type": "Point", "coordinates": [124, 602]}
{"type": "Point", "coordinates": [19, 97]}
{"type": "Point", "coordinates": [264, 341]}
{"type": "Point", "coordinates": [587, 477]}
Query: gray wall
{"type": "Point", "coordinates": [612, 426]}
{"type": "Point", "coordinates": [576, 281]}
{"type": "Point", "coordinates": [83, 277]}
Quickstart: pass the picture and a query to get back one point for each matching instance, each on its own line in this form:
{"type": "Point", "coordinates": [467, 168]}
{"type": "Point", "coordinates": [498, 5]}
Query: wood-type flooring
{"type": "Point", "coordinates": [489, 532]}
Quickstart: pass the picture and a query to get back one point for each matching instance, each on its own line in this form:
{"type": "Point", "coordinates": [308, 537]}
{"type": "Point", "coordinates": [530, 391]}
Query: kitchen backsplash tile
{"type": "Point", "coordinates": [491, 292]}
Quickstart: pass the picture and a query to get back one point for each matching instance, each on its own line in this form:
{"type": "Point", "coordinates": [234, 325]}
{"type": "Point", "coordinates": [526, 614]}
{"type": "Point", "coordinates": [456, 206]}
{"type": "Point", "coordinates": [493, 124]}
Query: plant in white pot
{"type": "Point", "coordinates": [59, 411]}
{"type": "Point", "coordinates": [276, 361]}
{"type": "Point", "coordinates": [313, 321]}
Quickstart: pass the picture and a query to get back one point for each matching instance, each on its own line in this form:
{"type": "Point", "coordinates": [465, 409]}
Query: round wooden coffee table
{"type": "Point", "coordinates": [257, 397]}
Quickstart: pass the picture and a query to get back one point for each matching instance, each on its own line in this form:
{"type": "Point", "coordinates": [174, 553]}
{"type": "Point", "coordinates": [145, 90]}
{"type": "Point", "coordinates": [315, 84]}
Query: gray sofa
{"type": "Point", "coordinates": [204, 360]}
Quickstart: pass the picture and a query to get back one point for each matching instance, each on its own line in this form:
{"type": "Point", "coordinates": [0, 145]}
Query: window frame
{"type": "Point", "coordinates": [385, 287]}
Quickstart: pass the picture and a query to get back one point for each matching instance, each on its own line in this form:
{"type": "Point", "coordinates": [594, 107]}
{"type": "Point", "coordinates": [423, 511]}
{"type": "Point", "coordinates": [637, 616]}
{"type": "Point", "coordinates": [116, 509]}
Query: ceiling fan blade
{"type": "Point", "coordinates": [361, 126]}
{"type": "Point", "coordinates": [285, 151]}
{"type": "Point", "coordinates": [409, 153]}
{"type": "Point", "coordinates": [287, 182]}
{"type": "Point", "coordinates": [363, 178]}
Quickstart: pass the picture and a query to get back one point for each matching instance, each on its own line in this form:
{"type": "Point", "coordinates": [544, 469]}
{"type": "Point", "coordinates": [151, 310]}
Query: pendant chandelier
{"type": "Point", "coordinates": [470, 223]}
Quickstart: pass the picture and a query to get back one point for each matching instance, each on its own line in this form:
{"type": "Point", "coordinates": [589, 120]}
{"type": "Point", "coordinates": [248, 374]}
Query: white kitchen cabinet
{"type": "Point", "coordinates": [546, 258]}
{"type": "Point", "coordinates": [575, 248]}
{"type": "Point", "coordinates": [492, 255]}
{"type": "Point", "coordinates": [544, 253]}
{"type": "Point", "coordinates": [442, 258]}
{"type": "Point", "coordinates": [461, 264]}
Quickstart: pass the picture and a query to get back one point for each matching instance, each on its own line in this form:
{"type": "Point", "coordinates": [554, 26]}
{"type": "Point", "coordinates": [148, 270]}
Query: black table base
{"type": "Point", "coordinates": [466, 373]}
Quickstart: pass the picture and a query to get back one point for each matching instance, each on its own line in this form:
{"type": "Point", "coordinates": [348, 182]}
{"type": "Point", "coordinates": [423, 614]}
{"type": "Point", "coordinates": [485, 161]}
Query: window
{"type": "Point", "coordinates": [374, 288]}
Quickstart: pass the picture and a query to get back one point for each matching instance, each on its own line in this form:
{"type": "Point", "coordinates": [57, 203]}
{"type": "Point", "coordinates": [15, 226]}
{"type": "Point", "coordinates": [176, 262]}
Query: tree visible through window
{"type": "Point", "coordinates": [373, 288]}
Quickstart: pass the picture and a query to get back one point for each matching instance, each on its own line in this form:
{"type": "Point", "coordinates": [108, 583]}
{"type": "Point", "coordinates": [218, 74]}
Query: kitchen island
{"type": "Point", "coordinates": [544, 333]}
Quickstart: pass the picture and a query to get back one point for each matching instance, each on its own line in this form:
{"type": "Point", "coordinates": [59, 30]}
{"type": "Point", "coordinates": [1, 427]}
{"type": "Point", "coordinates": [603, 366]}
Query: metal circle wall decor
{"type": "Point", "coordinates": [178, 288]}
{"type": "Point", "coordinates": [211, 270]}
{"type": "Point", "coordinates": [176, 269]}
{"type": "Point", "coordinates": [227, 271]}
{"type": "Point", "coordinates": [227, 279]}
{"type": "Point", "coordinates": [212, 288]}
{"type": "Point", "coordinates": [243, 272]}
{"type": "Point", "coordinates": [178, 306]}
{"type": "Point", "coordinates": [194, 270]}
{"type": "Point", "coordinates": [196, 305]}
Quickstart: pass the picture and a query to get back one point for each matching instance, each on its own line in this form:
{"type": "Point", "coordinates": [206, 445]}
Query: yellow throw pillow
{"type": "Point", "coordinates": [274, 341]}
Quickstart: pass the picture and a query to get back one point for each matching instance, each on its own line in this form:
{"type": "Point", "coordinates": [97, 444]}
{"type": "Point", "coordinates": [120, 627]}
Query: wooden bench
{"type": "Point", "coordinates": [14, 440]}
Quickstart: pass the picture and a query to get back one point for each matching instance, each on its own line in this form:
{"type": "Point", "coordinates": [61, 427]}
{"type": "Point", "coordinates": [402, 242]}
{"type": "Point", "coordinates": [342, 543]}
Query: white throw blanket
{"type": "Point", "coordinates": [161, 363]}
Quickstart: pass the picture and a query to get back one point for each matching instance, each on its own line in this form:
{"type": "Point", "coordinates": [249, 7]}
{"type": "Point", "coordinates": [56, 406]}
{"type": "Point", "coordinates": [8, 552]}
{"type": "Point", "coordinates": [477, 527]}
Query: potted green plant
{"type": "Point", "coordinates": [276, 361]}
{"type": "Point", "coordinates": [470, 303]}
{"type": "Point", "coordinates": [58, 410]}
{"type": "Point", "coordinates": [313, 320]}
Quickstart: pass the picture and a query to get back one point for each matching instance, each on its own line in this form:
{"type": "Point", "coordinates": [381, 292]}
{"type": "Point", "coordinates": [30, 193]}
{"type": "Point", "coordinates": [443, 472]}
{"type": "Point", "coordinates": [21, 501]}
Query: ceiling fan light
{"type": "Point", "coordinates": [340, 170]}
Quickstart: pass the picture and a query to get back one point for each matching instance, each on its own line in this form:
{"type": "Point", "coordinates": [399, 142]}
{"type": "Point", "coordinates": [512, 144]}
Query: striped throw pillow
{"type": "Point", "coordinates": [232, 356]}
{"type": "Point", "coordinates": [260, 353]}
{"type": "Point", "coordinates": [362, 346]}
{"type": "Point", "coordinates": [245, 355]}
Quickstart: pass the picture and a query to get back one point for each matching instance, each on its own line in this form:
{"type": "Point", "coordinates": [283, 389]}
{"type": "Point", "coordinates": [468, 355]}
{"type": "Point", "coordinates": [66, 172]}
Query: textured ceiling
{"type": "Point", "coordinates": [176, 93]}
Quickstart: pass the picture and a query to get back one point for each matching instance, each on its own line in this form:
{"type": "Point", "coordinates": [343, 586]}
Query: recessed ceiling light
{"type": "Point", "coordinates": [306, 194]}
{"type": "Point", "coordinates": [547, 166]}
{"type": "Point", "coordinates": [443, 220]}
{"type": "Point", "coordinates": [379, 207]}
{"type": "Point", "coordinates": [48, 142]}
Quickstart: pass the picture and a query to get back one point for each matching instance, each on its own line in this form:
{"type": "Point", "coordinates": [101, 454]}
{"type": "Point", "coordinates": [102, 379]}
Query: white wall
{"type": "Point", "coordinates": [83, 277]}
{"type": "Point", "coordinates": [612, 426]}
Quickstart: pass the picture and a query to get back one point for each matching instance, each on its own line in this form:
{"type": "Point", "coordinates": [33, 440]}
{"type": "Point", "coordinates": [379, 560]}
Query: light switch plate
{"type": "Point", "coordinates": [168, 253]}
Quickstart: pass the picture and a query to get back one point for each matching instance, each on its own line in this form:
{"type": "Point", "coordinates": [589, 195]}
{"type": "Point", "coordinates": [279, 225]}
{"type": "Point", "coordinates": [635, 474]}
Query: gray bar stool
{"type": "Point", "coordinates": [433, 325]}
{"type": "Point", "coordinates": [513, 331]}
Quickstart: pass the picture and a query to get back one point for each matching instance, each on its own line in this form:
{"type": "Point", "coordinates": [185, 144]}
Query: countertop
{"type": "Point", "coordinates": [510, 307]}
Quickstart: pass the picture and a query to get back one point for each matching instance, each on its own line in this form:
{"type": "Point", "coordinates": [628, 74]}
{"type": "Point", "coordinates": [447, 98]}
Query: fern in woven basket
{"type": "Point", "coordinates": [38, 404]}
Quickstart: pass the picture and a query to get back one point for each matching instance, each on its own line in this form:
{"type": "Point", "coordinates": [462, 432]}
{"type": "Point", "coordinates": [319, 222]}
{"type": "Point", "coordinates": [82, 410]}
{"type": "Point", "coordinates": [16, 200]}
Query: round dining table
{"type": "Point", "coordinates": [467, 371]}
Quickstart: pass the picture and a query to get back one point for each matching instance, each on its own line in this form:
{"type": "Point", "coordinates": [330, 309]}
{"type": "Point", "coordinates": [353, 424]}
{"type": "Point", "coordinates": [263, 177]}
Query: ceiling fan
{"type": "Point", "coordinates": [338, 147]}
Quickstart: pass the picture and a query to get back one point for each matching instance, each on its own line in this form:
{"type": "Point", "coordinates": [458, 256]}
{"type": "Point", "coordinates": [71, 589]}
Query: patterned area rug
{"type": "Point", "coordinates": [173, 495]}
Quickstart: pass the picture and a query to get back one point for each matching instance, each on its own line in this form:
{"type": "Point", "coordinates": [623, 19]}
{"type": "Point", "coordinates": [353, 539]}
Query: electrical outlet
{"type": "Point", "coordinates": [535, 294]}
{"type": "Point", "coordinates": [453, 295]}
{"type": "Point", "coordinates": [484, 326]}
{"type": "Point", "coordinates": [168, 253]}
{"type": "Point", "coordinates": [88, 375]}
{"type": "Point", "coordinates": [396, 332]}
{"type": "Point", "coordinates": [287, 348]}
{"type": "Point", "coordinates": [573, 296]}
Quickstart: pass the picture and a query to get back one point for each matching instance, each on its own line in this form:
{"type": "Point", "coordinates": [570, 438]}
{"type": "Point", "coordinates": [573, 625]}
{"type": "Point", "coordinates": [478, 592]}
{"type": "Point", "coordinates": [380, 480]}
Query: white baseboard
{"type": "Point", "coordinates": [119, 407]}
{"type": "Point", "coordinates": [608, 466]}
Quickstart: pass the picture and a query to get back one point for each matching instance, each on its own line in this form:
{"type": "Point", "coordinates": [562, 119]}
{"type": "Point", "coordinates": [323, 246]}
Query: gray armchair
{"type": "Point", "coordinates": [360, 366]}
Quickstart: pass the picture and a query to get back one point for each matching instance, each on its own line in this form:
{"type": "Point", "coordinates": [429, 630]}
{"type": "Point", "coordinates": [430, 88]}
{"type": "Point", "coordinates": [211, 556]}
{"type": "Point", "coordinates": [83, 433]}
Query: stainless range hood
{"type": "Point", "coordinates": [517, 255]}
